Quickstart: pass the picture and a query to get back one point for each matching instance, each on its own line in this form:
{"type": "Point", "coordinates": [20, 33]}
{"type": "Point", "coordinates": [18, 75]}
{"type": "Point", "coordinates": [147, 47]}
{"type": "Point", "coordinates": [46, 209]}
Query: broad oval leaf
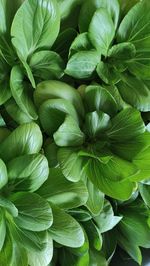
{"type": "Point", "coordinates": [34, 212]}
{"type": "Point", "coordinates": [28, 172]}
{"type": "Point", "coordinates": [72, 164]}
{"type": "Point", "coordinates": [135, 27]}
{"type": "Point", "coordinates": [25, 139]}
{"type": "Point", "coordinates": [101, 31]}
{"type": "Point", "coordinates": [90, 6]}
{"type": "Point", "coordinates": [42, 15]}
{"type": "Point", "coordinates": [66, 230]}
{"type": "Point", "coordinates": [135, 92]}
{"type": "Point", "coordinates": [63, 193]}
{"type": "Point", "coordinates": [69, 133]}
{"type": "Point", "coordinates": [126, 125]}
{"type": "Point", "coordinates": [47, 65]}
{"type": "Point", "coordinates": [82, 64]}
{"type": "Point", "coordinates": [8, 206]}
{"type": "Point", "coordinates": [53, 89]}
{"type": "Point", "coordinates": [98, 98]}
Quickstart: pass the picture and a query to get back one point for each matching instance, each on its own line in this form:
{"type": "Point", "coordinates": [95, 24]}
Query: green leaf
{"type": "Point", "coordinates": [134, 225]}
{"type": "Point", "coordinates": [69, 133]}
{"type": "Point", "coordinates": [98, 98]}
{"type": "Point", "coordinates": [113, 182]}
{"type": "Point", "coordinates": [54, 89]}
{"type": "Point", "coordinates": [141, 160]}
{"type": "Point", "coordinates": [82, 64]}
{"type": "Point", "coordinates": [5, 92]}
{"type": "Point", "coordinates": [2, 228]}
{"type": "Point", "coordinates": [43, 257]}
{"type": "Point", "coordinates": [81, 43]}
{"type": "Point", "coordinates": [107, 73]}
{"type": "Point", "coordinates": [8, 10]}
{"type": "Point", "coordinates": [61, 46]}
{"type": "Point", "coordinates": [22, 93]}
{"type": "Point", "coordinates": [47, 65]}
{"type": "Point", "coordinates": [126, 125]}
{"type": "Point", "coordinates": [140, 65]}
{"type": "Point", "coordinates": [101, 31]}
{"type": "Point", "coordinates": [16, 113]}
{"type": "Point", "coordinates": [90, 6]}
{"type": "Point", "coordinates": [135, 27]}
{"type": "Point", "coordinates": [106, 220]}
{"type": "Point", "coordinates": [25, 139]}
{"type": "Point", "coordinates": [94, 236]}
{"type": "Point", "coordinates": [6, 252]}
{"type": "Point", "coordinates": [145, 193]}
{"type": "Point", "coordinates": [3, 174]}
{"type": "Point", "coordinates": [53, 112]}
{"type": "Point", "coordinates": [50, 151]}
{"type": "Point", "coordinates": [129, 150]}
{"type": "Point", "coordinates": [72, 165]}
{"type": "Point", "coordinates": [135, 92]}
{"type": "Point", "coordinates": [95, 200]}
{"type": "Point", "coordinates": [132, 249]}
{"type": "Point", "coordinates": [34, 213]}
{"type": "Point", "coordinates": [19, 255]}
{"type": "Point", "coordinates": [121, 52]}
{"type": "Point", "coordinates": [97, 257]}
{"type": "Point", "coordinates": [28, 172]}
{"type": "Point", "coordinates": [127, 5]}
{"type": "Point", "coordinates": [40, 15]}
{"type": "Point", "coordinates": [66, 230]}
{"type": "Point", "coordinates": [69, 258]}
{"type": "Point", "coordinates": [63, 193]}
{"type": "Point", "coordinates": [8, 206]}
{"type": "Point", "coordinates": [96, 123]}
{"type": "Point", "coordinates": [81, 215]}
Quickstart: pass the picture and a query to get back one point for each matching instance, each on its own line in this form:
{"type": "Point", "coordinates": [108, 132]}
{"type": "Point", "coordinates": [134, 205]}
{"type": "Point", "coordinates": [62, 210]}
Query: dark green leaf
{"type": "Point", "coordinates": [47, 65]}
{"type": "Point", "coordinates": [26, 139]}
{"type": "Point", "coordinates": [22, 93]}
{"type": "Point", "coordinates": [101, 31]}
{"type": "Point", "coordinates": [98, 98]}
{"type": "Point", "coordinates": [69, 133]}
{"type": "Point", "coordinates": [53, 89]}
{"type": "Point", "coordinates": [82, 64]}
{"type": "Point", "coordinates": [40, 15]}
{"type": "Point", "coordinates": [126, 125]}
